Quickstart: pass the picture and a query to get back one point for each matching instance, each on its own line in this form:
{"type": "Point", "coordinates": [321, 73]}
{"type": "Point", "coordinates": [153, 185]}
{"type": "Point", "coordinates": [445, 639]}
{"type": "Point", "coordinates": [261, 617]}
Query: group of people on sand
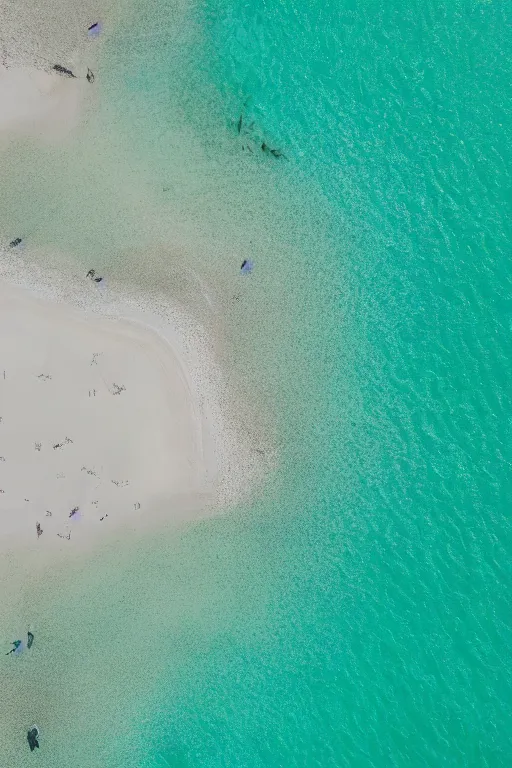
{"type": "Point", "coordinates": [91, 273]}
{"type": "Point", "coordinates": [246, 268]}
{"type": "Point", "coordinates": [92, 276]}
{"type": "Point", "coordinates": [92, 31]}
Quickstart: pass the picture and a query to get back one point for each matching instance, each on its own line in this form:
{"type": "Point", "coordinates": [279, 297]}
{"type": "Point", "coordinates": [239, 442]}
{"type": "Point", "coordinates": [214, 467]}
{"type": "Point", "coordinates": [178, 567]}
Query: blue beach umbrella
{"type": "Point", "coordinates": [95, 29]}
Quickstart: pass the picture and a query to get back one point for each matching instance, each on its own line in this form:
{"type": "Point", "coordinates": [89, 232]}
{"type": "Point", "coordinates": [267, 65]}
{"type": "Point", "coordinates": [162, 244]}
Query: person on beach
{"type": "Point", "coordinates": [90, 76]}
{"type": "Point", "coordinates": [16, 644]}
{"type": "Point", "coordinates": [30, 640]}
{"type": "Point", "coordinates": [63, 71]}
{"type": "Point", "coordinates": [32, 737]}
{"type": "Point", "coordinates": [92, 276]}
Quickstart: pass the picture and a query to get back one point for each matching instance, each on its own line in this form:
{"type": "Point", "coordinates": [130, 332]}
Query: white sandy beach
{"type": "Point", "coordinates": [110, 416]}
{"type": "Point", "coordinates": [97, 416]}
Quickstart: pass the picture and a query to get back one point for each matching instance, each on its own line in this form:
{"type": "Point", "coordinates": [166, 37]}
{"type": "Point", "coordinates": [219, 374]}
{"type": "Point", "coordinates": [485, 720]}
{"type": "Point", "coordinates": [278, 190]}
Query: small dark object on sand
{"type": "Point", "coordinates": [92, 274]}
{"type": "Point", "coordinates": [39, 530]}
{"type": "Point", "coordinates": [32, 738]}
{"type": "Point", "coordinates": [63, 71]}
{"type": "Point", "coordinates": [15, 242]}
{"type": "Point", "coordinates": [30, 639]}
{"type": "Point", "coordinates": [90, 76]}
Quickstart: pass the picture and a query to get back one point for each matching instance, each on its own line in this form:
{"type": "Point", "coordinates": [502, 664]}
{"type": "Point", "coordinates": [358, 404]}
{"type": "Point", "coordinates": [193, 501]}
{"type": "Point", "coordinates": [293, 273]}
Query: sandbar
{"type": "Point", "coordinates": [100, 427]}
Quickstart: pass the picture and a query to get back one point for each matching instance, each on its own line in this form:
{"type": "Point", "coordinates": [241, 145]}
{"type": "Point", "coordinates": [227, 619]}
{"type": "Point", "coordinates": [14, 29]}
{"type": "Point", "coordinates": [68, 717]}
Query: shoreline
{"type": "Point", "coordinates": [230, 454]}
{"type": "Point", "coordinates": [38, 102]}
{"type": "Point", "coordinates": [171, 413]}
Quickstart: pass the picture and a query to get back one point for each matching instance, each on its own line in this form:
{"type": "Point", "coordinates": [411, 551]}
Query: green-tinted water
{"type": "Point", "coordinates": [357, 613]}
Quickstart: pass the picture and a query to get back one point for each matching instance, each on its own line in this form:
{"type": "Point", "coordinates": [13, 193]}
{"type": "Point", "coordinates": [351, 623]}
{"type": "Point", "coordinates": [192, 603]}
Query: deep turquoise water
{"type": "Point", "coordinates": [358, 613]}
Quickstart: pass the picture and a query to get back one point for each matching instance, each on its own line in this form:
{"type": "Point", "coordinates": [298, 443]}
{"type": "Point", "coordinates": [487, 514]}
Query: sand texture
{"type": "Point", "coordinates": [98, 425]}
{"type": "Point", "coordinates": [39, 104]}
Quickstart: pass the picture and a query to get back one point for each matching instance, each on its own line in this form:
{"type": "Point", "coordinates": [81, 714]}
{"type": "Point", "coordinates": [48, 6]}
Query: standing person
{"type": "Point", "coordinates": [16, 644]}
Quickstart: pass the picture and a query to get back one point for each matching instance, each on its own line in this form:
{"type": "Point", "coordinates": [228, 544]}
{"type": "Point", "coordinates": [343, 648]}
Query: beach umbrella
{"type": "Point", "coordinates": [95, 29]}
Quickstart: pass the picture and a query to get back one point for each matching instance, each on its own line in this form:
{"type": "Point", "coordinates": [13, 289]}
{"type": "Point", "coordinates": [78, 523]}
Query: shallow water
{"type": "Point", "coordinates": [356, 614]}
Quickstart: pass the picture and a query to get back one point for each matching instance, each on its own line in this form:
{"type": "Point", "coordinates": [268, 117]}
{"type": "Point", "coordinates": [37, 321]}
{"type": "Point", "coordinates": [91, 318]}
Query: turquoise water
{"type": "Point", "coordinates": [357, 614]}
{"type": "Point", "coordinates": [382, 562]}
{"type": "Point", "coordinates": [389, 622]}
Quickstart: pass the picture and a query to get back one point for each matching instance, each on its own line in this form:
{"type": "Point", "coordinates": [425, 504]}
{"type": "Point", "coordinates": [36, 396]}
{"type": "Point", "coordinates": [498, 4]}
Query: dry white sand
{"type": "Point", "coordinates": [98, 415]}
{"type": "Point", "coordinates": [40, 104]}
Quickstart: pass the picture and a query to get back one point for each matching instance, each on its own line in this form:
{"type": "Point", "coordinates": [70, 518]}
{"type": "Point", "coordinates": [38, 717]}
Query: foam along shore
{"type": "Point", "coordinates": [100, 427]}
{"type": "Point", "coordinates": [40, 104]}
